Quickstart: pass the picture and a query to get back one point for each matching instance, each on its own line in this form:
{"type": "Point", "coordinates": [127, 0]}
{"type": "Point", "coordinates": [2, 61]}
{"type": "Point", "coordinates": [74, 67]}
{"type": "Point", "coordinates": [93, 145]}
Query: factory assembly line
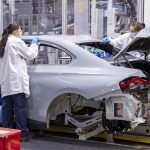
{"type": "Point", "coordinates": [75, 74]}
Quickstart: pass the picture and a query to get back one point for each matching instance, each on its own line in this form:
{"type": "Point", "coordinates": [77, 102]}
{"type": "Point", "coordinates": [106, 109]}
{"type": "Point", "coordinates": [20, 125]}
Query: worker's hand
{"type": "Point", "coordinates": [35, 40]}
{"type": "Point", "coordinates": [106, 40]}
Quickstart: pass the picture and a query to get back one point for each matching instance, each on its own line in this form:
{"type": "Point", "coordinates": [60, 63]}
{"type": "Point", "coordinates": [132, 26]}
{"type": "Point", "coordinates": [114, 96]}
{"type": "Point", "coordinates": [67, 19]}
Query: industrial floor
{"type": "Point", "coordinates": [61, 143]}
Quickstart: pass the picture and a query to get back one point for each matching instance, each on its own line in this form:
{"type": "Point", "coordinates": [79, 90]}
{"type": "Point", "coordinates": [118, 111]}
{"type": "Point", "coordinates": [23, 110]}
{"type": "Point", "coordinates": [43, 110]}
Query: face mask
{"type": "Point", "coordinates": [132, 35]}
{"type": "Point", "coordinates": [20, 34]}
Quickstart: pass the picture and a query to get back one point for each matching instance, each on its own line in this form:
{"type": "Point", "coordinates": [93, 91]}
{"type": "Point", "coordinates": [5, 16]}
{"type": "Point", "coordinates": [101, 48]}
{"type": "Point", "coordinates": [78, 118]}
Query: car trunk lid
{"type": "Point", "coordinates": [141, 42]}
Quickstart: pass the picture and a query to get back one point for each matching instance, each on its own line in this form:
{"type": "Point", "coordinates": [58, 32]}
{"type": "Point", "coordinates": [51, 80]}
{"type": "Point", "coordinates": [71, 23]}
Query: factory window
{"type": "Point", "coordinates": [52, 55]}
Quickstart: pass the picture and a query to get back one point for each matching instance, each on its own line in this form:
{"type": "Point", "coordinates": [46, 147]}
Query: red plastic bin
{"type": "Point", "coordinates": [9, 139]}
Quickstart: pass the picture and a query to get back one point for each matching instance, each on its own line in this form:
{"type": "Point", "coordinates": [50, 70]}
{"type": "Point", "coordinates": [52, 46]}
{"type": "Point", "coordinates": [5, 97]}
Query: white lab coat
{"type": "Point", "coordinates": [122, 41]}
{"type": "Point", "coordinates": [14, 78]}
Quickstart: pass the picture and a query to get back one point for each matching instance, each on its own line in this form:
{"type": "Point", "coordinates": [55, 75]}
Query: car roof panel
{"type": "Point", "coordinates": [65, 38]}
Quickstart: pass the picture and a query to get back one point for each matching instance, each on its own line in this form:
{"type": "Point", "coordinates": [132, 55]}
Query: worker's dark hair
{"type": "Point", "coordinates": [8, 30]}
{"type": "Point", "coordinates": [137, 26]}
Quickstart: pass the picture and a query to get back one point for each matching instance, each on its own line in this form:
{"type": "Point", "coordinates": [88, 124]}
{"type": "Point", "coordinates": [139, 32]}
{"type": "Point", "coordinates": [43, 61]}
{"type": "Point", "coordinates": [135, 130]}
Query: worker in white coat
{"type": "Point", "coordinates": [123, 40]}
{"type": "Point", "coordinates": [14, 79]}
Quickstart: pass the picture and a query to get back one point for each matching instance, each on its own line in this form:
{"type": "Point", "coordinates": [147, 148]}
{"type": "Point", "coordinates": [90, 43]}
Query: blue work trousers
{"type": "Point", "coordinates": [15, 105]}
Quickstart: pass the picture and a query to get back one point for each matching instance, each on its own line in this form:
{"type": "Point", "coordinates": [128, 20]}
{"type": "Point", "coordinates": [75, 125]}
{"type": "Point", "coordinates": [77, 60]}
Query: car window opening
{"type": "Point", "coordinates": [52, 55]}
{"type": "Point", "coordinates": [100, 50]}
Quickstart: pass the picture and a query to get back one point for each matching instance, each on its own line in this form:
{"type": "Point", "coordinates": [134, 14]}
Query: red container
{"type": "Point", "coordinates": [9, 139]}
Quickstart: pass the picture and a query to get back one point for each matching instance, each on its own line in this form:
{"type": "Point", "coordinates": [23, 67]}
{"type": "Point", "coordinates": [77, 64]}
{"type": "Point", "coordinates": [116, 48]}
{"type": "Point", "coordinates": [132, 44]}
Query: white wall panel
{"type": "Point", "coordinates": [81, 13]}
{"type": "Point", "coordinates": [147, 12]}
{"type": "Point", "coordinates": [1, 17]}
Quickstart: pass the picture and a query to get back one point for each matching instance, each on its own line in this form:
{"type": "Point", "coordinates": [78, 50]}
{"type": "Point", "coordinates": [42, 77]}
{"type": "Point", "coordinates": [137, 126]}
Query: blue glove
{"type": "Point", "coordinates": [106, 40]}
{"type": "Point", "coordinates": [99, 55]}
{"type": "Point", "coordinates": [108, 55]}
{"type": "Point", "coordinates": [35, 40]}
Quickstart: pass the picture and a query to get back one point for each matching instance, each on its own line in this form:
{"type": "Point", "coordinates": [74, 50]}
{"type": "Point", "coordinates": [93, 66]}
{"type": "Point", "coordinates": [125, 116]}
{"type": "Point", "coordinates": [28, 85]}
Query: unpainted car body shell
{"type": "Point", "coordinates": [86, 75]}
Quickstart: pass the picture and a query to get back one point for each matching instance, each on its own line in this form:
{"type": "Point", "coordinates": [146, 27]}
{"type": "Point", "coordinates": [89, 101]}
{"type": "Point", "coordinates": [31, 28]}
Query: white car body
{"type": "Point", "coordinates": [55, 89]}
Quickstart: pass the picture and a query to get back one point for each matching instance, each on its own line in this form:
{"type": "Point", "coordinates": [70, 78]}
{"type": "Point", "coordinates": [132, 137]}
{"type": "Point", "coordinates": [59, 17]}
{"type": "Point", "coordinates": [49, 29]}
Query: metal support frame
{"type": "Point", "coordinates": [141, 130]}
{"type": "Point", "coordinates": [110, 138]}
{"type": "Point", "coordinates": [110, 19]}
{"type": "Point", "coordinates": [11, 10]}
{"type": "Point", "coordinates": [1, 17]}
{"type": "Point", "coordinates": [90, 134]}
{"type": "Point", "coordinates": [140, 11]}
{"type": "Point", "coordinates": [146, 12]}
{"type": "Point", "coordinates": [64, 17]}
{"type": "Point", "coordinates": [88, 128]}
{"type": "Point", "coordinates": [81, 17]}
{"type": "Point", "coordinates": [93, 19]}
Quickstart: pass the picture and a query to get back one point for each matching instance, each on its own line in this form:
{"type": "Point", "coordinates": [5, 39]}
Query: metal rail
{"type": "Point", "coordinates": [130, 136]}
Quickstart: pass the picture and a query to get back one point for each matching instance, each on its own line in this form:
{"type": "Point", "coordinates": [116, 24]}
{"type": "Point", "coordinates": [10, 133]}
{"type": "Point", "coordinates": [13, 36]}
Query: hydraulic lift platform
{"type": "Point", "coordinates": [141, 134]}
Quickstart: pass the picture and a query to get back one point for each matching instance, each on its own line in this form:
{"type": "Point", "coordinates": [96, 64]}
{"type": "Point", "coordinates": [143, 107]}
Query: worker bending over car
{"type": "Point", "coordinates": [123, 40]}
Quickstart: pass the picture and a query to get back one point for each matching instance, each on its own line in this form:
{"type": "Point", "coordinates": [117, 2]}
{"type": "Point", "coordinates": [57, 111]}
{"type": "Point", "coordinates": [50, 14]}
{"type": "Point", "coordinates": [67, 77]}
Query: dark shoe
{"type": "Point", "coordinates": [26, 137]}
